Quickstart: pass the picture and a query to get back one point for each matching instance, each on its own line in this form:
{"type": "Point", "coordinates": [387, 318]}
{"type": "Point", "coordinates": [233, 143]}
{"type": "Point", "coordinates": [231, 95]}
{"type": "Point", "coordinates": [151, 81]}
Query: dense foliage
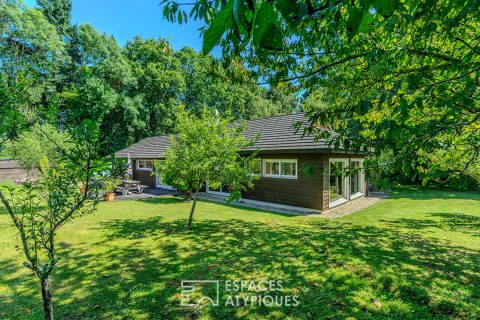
{"type": "Point", "coordinates": [401, 76]}
{"type": "Point", "coordinates": [40, 142]}
{"type": "Point", "coordinates": [54, 72]}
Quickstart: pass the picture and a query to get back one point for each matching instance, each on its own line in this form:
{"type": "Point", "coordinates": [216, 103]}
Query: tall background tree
{"type": "Point", "coordinates": [56, 72]}
{"type": "Point", "coordinates": [58, 13]}
{"type": "Point", "coordinates": [30, 54]}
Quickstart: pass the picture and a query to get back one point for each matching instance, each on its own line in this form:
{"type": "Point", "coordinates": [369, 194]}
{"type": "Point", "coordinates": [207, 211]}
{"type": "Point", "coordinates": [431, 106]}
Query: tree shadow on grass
{"type": "Point", "coordinates": [461, 222]}
{"type": "Point", "coordinates": [429, 193]}
{"type": "Point", "coordinates": [335, 268]}
{"type": "Point", "coordinates": [162, 200]}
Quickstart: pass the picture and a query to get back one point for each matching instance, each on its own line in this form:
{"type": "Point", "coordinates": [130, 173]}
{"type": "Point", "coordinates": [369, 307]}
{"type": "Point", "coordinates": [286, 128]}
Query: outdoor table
{"type": "Point", "coordinates": [128, 185]}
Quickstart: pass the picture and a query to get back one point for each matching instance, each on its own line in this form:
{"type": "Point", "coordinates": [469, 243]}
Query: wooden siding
{"type": "Point", "coordinates": [305, 191]}
{"type": "Point", "coordinates": [144, 176]}
{"type": "Point", "coordinates": [10, 170]}
{"type": "Point", "coordinates": [302, 192]}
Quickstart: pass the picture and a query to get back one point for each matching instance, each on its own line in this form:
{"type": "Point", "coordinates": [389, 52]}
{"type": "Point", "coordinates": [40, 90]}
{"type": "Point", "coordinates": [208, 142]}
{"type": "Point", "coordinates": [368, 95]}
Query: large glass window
{"type": "Point", "coordinates": [356, 177]}
{"type": "Point", "coordinates": [144, 165]}
{"type": "Point", "coordinates": [280, 168]}
{"type": "Point", "coordinates": [337, 187]}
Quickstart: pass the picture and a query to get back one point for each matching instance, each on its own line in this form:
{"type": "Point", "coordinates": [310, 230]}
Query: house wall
{"type": "Point", "coordinates": [305, 191]}
{"type": "Point", "coordinates": [144, 176]}
{"type": "Point", "coordinates": [10, 170]}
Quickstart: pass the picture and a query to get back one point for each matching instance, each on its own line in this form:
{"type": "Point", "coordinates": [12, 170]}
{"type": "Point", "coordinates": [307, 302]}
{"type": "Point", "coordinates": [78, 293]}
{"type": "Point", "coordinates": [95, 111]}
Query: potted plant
{"type": "Point", "coordinates": [81, 188]}
{"type": "Point", "coordinates": [108, 185]}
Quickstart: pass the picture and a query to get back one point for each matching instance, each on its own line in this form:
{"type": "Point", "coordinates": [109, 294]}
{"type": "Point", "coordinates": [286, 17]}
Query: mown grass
{"type": "Point", "coordinates": [412, 256]}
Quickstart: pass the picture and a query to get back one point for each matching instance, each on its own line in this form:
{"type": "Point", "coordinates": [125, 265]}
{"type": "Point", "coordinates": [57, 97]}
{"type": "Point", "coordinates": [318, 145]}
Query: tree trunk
{"type": "Point", "coordinates": [190, 219]}
{"type": "Point", "coordinates": [47, 298]}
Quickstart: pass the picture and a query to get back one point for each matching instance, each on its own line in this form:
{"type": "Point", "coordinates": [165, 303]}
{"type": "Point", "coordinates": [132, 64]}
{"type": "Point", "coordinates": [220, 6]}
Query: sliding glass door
{"type": "Point", "coordinates": [346, 180]}
{"type": "Point", "coordinates": [356, 178]}
{"type": "Point", "coordinates": [337, 185]}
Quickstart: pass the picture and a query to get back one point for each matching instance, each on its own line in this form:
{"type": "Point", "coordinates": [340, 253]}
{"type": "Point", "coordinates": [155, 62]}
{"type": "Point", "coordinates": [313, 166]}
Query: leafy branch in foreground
{"type": "Point", "coordinates": [399, 76]}
{"type": "Point", "coordinates": [39, 208]}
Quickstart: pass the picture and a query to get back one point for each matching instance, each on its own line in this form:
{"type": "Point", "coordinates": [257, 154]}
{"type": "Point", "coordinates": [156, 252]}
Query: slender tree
{"type": "Point", "coordinates": [206, 148]}
{"type": "Point", "coordinates": [39, 208]}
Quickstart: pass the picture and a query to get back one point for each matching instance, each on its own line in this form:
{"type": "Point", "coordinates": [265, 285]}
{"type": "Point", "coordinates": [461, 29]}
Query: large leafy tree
{"type": "Point", "coordinates": [159, 80]}
{"type": "Point", "coordinates": [401, 75]}
{"type": "Point", "coordinates": [228, 88]}
{"type": "Point", "coordinates": [167, 79]}
{"type": "Point", "coordinates": [30, 53]}
{"type": "Point", "coordinates": [58, 13]}
{"type": "Point", "coordinates": [99, 85]}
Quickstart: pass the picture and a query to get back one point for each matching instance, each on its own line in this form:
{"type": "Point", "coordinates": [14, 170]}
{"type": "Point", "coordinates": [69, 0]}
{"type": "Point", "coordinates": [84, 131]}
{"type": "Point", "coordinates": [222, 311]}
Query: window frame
{"type": "Point", "coordinates": [137, 165]}
{"type": "Point", "coordinates": [361, 172]}
{"type": "Point", "coordinates": [279, 175]}
{"type": "Point", "coordinates": [345, 182]}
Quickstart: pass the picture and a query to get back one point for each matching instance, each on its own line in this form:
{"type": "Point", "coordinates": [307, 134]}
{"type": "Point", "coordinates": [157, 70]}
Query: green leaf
{"type": "Point", "coordinates": [354, 19]}
{"type": "Point", "coordinates": [220, 23]}
{"type": "Point", "coordinates": [292, 11]}
{"type": "Point", "coordinates": [266, 33]}
{"type": "Point", "coordinates": [239, 17]}
{"type": "Point", "coordinates": [385, 7]}
{"type": "Point", "coordinates": [413, 81]}
{"type": "Point", "coordinates": [272, 39]}
{"type": "Point", "coordinates": [180, 17]}
{"type": "Point", "coordinates": [365, 24]}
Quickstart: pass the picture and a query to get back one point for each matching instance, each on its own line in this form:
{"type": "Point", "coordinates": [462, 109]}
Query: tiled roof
{"type": "Point", "coordinates": [276, 134]}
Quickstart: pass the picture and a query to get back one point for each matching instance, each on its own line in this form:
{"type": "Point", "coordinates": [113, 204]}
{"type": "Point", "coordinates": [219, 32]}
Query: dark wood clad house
{"type": "Point", "coordinates": [292, 170]}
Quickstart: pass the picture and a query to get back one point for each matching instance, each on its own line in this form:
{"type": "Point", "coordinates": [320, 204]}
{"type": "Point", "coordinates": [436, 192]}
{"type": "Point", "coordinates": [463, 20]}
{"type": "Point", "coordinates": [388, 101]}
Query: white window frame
{"type": "Point", "coordinates": [346, 183]}
{"type": "Point", "coordinates": [362, 179]}
{"type": "Point", "coordinates": [137, 163]}
{"type": "Point", "coordinates": [279, 175]}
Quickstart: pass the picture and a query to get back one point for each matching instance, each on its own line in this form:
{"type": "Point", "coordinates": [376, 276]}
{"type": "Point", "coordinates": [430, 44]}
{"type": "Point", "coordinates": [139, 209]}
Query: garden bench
{"type": "Point", "coordinates": [130, 185]}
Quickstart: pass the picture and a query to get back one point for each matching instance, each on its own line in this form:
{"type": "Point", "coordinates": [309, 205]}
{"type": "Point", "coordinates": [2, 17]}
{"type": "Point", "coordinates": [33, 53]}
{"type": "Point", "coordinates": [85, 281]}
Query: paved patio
{"type": "Point", "coordinates": [352, 206]}
{"type": "Point", "coordinates": [336, 212]}
{"type": "Point", "coordinates": [269, 206]}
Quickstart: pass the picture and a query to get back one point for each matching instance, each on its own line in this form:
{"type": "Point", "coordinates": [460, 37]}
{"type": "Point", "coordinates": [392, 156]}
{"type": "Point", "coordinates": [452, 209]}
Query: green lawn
{"type": "Point", "coordinates": [413, 256]}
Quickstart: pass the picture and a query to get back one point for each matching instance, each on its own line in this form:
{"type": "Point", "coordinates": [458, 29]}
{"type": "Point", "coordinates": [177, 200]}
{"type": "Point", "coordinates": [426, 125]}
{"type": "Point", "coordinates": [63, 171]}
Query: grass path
{"type": "Point", "coordinates": [412, 256]}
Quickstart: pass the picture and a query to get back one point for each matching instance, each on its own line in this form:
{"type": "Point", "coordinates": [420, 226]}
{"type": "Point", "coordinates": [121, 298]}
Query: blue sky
{"type": "Point", "coordinates": [125, 19]}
